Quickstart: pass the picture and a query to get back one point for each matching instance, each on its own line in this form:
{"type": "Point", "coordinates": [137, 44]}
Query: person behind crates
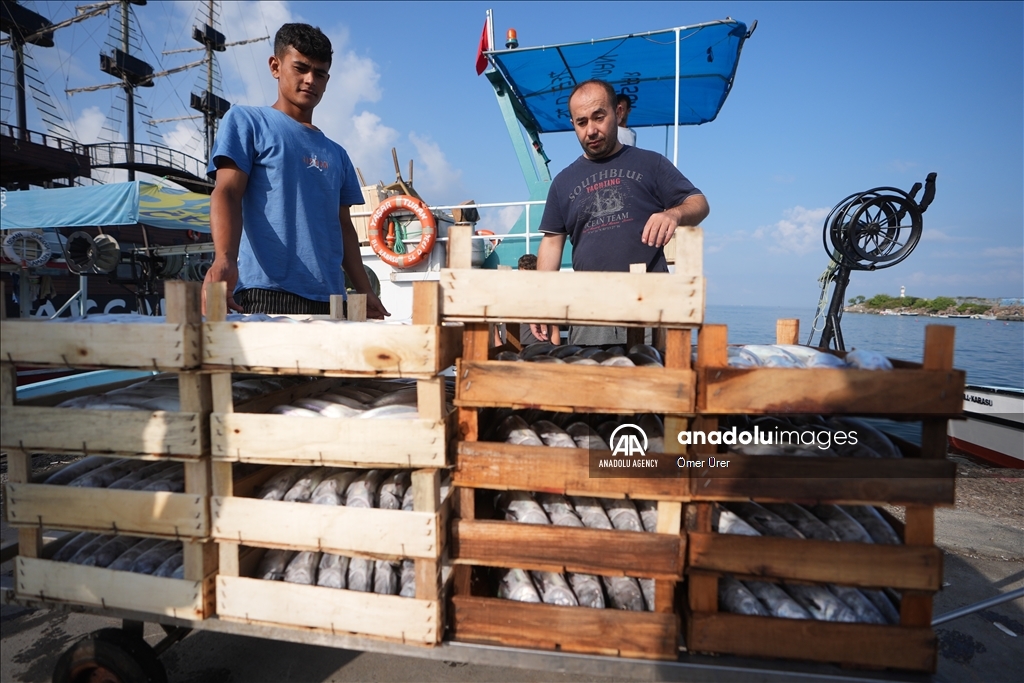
{"type": "Point", "coordinates": [623, 106]}
{"type": "Point", "coordinates": [279, 214]}
{"type": "Point", "coordinates": [526, 336]}
{"type": "Point", "coordinates": [617, 204]}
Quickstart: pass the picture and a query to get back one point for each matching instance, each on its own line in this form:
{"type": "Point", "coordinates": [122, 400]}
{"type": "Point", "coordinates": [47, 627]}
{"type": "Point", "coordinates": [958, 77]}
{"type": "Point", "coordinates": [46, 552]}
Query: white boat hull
{"type": "Point", "coordinates": [994, 428]}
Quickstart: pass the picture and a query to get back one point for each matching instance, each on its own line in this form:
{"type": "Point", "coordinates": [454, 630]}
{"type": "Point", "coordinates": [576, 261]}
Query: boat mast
{"type": "Point", "coordinates": [129, 95]}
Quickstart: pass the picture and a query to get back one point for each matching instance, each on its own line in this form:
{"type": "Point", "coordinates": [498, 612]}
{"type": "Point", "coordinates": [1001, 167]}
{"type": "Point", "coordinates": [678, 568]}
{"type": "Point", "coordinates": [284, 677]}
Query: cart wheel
{"type": "Point", "coordinates": [109, 656]}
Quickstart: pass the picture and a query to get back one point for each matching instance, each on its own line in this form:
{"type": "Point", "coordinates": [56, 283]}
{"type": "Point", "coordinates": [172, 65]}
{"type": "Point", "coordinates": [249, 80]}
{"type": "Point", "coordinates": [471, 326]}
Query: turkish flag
{"type": "Point", "coordinates": [481, 60]}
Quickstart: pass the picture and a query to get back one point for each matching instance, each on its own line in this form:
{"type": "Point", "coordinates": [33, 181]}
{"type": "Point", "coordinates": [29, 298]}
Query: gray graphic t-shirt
{"type": "Point", "coordinates": [604, 205]}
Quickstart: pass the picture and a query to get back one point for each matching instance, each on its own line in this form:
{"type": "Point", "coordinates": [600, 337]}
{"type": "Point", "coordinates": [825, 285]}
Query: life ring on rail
{"type": "Point", "coordinates": [26, 248]}
{"type": "Point", "coordinates": [494, 243]}
{"type": "Point", "coordinates": [377, 238]}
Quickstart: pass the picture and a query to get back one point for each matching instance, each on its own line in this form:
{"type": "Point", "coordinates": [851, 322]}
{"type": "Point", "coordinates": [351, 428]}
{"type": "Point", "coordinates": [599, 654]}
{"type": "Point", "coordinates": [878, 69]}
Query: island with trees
{"type": "Point", "coordinates": [940, 307]}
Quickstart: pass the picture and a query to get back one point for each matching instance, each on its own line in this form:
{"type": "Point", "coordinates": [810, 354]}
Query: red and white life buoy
{"type": "Point", "coordinates": [377, 237]}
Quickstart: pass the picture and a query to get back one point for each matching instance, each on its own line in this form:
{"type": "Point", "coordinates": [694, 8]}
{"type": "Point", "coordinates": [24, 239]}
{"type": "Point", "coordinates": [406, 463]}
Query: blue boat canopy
{"type": "Point", "coordinates": [106, 205]}
{"type": "Point", "coordinates": [644, 66]}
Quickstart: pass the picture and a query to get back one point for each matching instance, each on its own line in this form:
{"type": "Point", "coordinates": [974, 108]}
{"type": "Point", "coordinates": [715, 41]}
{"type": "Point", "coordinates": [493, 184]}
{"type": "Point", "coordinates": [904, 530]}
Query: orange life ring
{"type": "Point", "coordinates": [494, 243]}
{"type": "Point", "coordinates": [377, 237]}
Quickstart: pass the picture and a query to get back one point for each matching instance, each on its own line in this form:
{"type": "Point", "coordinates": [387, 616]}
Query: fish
{"type": "Point", "coordinates": [767, 523]}
{"type": "Point", "coordinates": [591, 513]}
{"type": "Point", "coordinates": [580, 360]}
{"type": "Point", "coordinates": [654, 428]}
{"type": "Point", "coordinates": [845, 526]}
{"type": "Point", "coordinates": [68, 550]}
{"type": "Point", "coordinates": [585, 437]}
{"type": "Point", "coordinates": [325, 408]}
{"type": "Point", "coordinates": [360, 575]}
{"type": "Point", "coordinates": [408, 500]}
{"type": "Point", "coordinates": [553, 435]}
{"type": "Point", "coordinates": [559, 509]}
{"type": "Point", "coordinates": [363, 397]}
{"type": "Point", "coordinates": [403, 396]}
{"type": "Point", "coordinates": [346, 401]}
{"type": "Point", "coordinates": [779, 449]}
{"type": "Point", "coordinates": [618, 362]}
{"type": "Point", "coordinates": [590, 351]}
{"type": "Point", "coordinates": [104, 476]}
{"type": "Point", "coordinates": [554, 589]}
{"type": "Point", "coordinates": [812, 358]}
{"type": "Point", "coordinates": [172, 564]}
{"type": "Point", "coordinates": [138, 475]}
{"type": "Point", "coordinates": [333, 571]}
{"type": "Point", "coordinates": [566, 351]}
{"type": "Point", "coordinates": [647, 350]}
{"type": "Point", "coordinates": [331, 490]}
{"type": "Point", "coordinates": [531, 351]}
{"type": "Point", "coordinates": [385, 577]}
{"type": "Point", "coordinates": [508, 356]}
{"type": "Point", "coordinates": [643, 360]}
{"type": "Point", "coordinates": [392, 491]}
{"type": "Point", "coordinates": [866, 612]}
{"type": "Point", "coordinates": [515, 430]}
{"type": "Point", "coordinates": [76, 469]}
{"type": "Point", "coordinates": [149, 561]}
{"type": "Point", "coordinates": [517, 585]}
{"type": "Point", "coordinates": [303, 487]}
{"type": "Point", "coordinates": [883, 604]}
{"type": "Point", "coordinates": [648, 510]}
{"type": "Point", "coordinates": [647, 588]}
{"type": "Point", "coordinates": [624, 593]}
{"type": "Point", "coordinates": [771, 356]}
{"type": "Point", "coordinates": [278, 485]}
{"type": "Point", "coordinates": [302, 568]}
{"type": "Point", "coordinates": [616, 351]}
{"type": "Point", "coordinates": [519, 506]}
{"type": "Point", "coordinates": [292, 411]}
{"type": "Point", "coordinates": [820, 603]}
{"type": "Point", "coordinates": [172, 481]}
{"type": "Point", "coordinates": [105, 555]}
{"type": "Point", "coordinates": [868, 435]}
{"type": "Point", "coordinates": [587, 589]}
{"type": "Point", "coordinates": [125, 561]}
{"type": "Point", "coordinates": [273, 564]}
{"type": "Point", "coordinates": [622, 513]}
{"type": "Point", "coordinates": [778, 601]}
{"type": "Point", "coordinates": [867, 360]}
{"type": "Point", "coordinates": [738, 357]}
{"type": "Point", "coordinates": [545, 359]}
{"type": "Point", "coordinates": [728, 522]}
{"type": "Point", "coordinates": [394, 412]}
{"type": "Point", "coordinates": [803, 521]}
{"type": "Point", "coordinates": [86, 550]}
{"type": "Point", "coordinates": [408, 579]}
{"type": "Point", "coordinates": [600, 357]}
{"type": "Point", "coordinates": [877, 527]}
{"type": "Point", "coordinates": [362, 492]}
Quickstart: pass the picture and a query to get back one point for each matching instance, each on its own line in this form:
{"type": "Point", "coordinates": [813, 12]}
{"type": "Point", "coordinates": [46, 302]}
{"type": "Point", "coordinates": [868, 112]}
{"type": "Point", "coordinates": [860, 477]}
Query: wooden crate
{"type": "Point", "coordinates": [171, 345]}
{"type": "Point", "coordinates": [928, 389]}
{"type": "Point", "coordinates": [239, 520]}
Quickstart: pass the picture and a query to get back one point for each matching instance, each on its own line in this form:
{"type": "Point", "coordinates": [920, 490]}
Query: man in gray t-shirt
{"type": "Point", "coordinates": [618, 205]}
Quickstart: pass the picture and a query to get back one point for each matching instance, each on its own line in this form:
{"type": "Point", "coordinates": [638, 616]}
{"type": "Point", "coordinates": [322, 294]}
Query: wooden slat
{"type": "Point", "coordinates": [556, 548]}
{"type": "Point", "coordinates": [460, 246]}
{"type": "Point", "coordinates": [677, 349]}
{"type": "Point", "coordinates": [645, 635]}
{"type": "Point", "coordinates": [787, 331]}
{"type": "Point", "coordinates": [127, 432]}
{"type": "Point", "coordinates": [848, 564]}
{"type": "Point", "coordinates": [338, 442]}
{"type": "Point", "coordinates": [289, 604]}
{"type": "Point", "coordinates": [703, 592]}
{"type": "Point", "coordinates": [98, 587]}
{"type": "Point", "coordinates": [711, 346]}
{"type": "Point", "coordinates": [857, 644]}
{"type": "Point", "coordinates": [152, 346]}
{"type": "Point", "coordinates": [145, 513]}
{"type": "Point", "coordinates": [630, 299]}
{"type": "Point", "coordinates": [356, 308]}
{"type": "Point", "coordinates": [574, 388]}
{"type": "Point", "coordinates": [369, 348]}
{"type": "Point", "coordinates": [824, 390]}
{"type": "Point", "coordinates": [821, 480]}
{"type": "Point", "coordinates": [336, 529]}
{"type": "Point", "coordinates": [501, 466]}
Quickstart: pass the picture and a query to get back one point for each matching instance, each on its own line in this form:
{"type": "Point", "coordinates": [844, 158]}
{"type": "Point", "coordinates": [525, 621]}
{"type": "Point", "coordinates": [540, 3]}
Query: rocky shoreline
{"type": "Point", "coordinates": [1006, 313]}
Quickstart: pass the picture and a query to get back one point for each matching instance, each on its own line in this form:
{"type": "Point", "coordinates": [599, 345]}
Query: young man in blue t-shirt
{"type": "Point", "coordinates": [279, 215]}
{"type": "Point", "coordinates": [617, 204]}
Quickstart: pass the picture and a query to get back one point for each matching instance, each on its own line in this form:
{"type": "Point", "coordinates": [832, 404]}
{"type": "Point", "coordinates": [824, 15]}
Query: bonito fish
{"type": "Point", "coordinates": [333, 571]}
{"type": "Point", "coordinates": [362, 492]}
{"type": "Point", "coordinates": [820, 603]}
{"type": "Point", "coordinates": [812, 358]}
{"type": "Point", "coordinates": [105, 555]}
{"type": "Point", "coordinates": [765, 521]}
{"type": "Point", "coordinates": [559, 509]}
{"type": "Point", "coordinates": [585, 437]}
{"type": "Point", "coordinates": [647, 588]}
{"type": "Point", "coordinates": [128, 480]}
{"type": "Point", "coordinates": [519, 506]}
{"type": "Point", "coordinates": [68, 550]}
{"type": "Point", "coordinates": [302, 489]}
{"type": "Point", "coordinates": [104, 476]}
{"type": "Point", "coordinates": [622, 513]}
{"type": "Point", "coordinates": [171, 565]}
{"type": "Point", "coordinates": [648, 510]}
{"type": "Point", "coordinates": [408, 589]}
{"type": "Point", "coordinates": [77, 469]}
{"type": "Point", "coordinates": [867, 360]}
{"type": "Point", "coordinates": [587, 589]}
{"type": "Point", "coordinates": [86, 550]}
{"type": "Point", "coordinates": [554, 589]}
{"type": "Point", "coordinates": [591, 512]}
{"type": "Point", "coordinates": [873, 522]}
{"type": "Point", "coordinates": [392, 412]}
{"type": "Point", "coordinates": [360, 575]}
{"type": "Point", "coordinates": [125, 561]}
{"type": "Point", "coordinates": [278, 485]}
{"type": "Point", "coordinates": [517, 585]}
{"type": "Point", "coordinates": [845, 526]}
{"type": "Point", "coordinates": [868, 435]}
{"type": "Point", "coordinates": [727, 522]}
{"type": "Point", "coordinates": [149, 561]}
{"type": "Point", "coordinates": [882, 603]}
{"type": "Point", "coordinates": [302, 568]}
{"type": "Point", "coordinates": [735, 598]}
{"type": "Point", "coordinates": [654, 428]}
{"type": "Point", "coordinates": [803, 521]}
{"type": "Point", "coordinates": [385, 577]}
{"type": "Point", "coordinates": [778, 602]}
{"type": "Point", "coordinates": [331, 491]}
{"type": "Point", "coordinates": [392, 490]}
{"type": "Point", "coordinates": [553, 435]}
{"type": "Point", "coordinates": [273, 564]}
{"type": "Point", "coordinates": [515, 430]}
{"type": "Point", "coordinates": [624, 593]}
{"type": "Point", "coordinates": [860, 605]}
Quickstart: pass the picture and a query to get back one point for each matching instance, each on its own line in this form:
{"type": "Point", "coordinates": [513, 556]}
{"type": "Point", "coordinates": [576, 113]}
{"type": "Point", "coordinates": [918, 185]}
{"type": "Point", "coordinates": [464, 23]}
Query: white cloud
{"type": "Point", "coordinates": [88, 125]}
{"type": "Point", "coordinates": [799, 232]}
{"type": "Point", "coordinates": [438, 177]}
{"type": "Point", "coordinates": [499, 221]}
{"type": "Point", "coordinates": [902, 166]}
{"type": "Point", "coordinates": [1004, 253]}
{"type": "Point", "coordinates": [186, 139]}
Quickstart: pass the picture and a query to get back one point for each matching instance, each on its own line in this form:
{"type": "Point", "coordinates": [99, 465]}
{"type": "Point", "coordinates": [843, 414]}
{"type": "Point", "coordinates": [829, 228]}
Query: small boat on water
{"type": "Point", "coordinates": [994, 428]}
{"type": "Point", "coordinates": [909, 313]}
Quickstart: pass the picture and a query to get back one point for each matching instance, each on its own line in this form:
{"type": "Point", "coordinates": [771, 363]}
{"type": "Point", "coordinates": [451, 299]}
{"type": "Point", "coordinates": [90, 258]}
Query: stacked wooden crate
{"type": "Point", "coordinates": [671, 302]}
{"type": "Point", "coordinates": [244, 526]}
{"type": "Point", "coordinates": [38, 427]}
{"type": "Point", "coordinates": [931, 392]}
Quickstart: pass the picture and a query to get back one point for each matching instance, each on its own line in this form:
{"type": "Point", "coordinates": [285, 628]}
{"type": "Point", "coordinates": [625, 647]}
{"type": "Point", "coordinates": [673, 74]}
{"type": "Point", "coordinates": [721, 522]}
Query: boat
{"type": "Point", "coordinates": [994, 426]}
{"type": "Point", "coordinates": [909, 314]}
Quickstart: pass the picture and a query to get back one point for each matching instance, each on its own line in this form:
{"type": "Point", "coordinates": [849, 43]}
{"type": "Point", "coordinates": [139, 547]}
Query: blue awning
{"type": "Point", "coordinates": [642, 66]}
{"type": "Point", "coordinates": [105, 206]}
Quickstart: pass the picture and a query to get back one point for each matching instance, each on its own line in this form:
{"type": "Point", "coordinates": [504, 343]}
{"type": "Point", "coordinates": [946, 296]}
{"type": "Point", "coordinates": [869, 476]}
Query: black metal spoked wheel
{"type": "Point", "coordinates": [110, 655]}
{"type": "Point", "coordinates": [875, 230]}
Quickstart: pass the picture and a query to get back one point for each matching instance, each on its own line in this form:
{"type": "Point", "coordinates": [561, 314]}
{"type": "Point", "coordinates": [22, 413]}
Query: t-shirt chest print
{"type": "Point", "coordinates": [600, 201]}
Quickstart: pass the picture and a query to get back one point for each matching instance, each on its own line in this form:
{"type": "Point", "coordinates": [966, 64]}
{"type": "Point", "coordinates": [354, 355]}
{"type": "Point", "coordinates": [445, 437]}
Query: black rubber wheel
{"type": "Point", "coordinates": [109, 656]}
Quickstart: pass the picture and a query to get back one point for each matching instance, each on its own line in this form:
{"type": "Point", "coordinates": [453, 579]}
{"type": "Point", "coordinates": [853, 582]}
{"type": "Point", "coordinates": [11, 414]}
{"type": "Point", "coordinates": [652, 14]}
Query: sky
{"type": "Point", "coordinates": [830, 99]}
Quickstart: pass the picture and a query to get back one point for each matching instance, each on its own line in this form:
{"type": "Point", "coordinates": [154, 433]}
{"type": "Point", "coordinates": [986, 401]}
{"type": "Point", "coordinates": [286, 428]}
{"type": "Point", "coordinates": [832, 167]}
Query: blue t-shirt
{"type": "Point", "coordinates": [604, 205]}
{"type": "Point", "coordinates": [298, 181]}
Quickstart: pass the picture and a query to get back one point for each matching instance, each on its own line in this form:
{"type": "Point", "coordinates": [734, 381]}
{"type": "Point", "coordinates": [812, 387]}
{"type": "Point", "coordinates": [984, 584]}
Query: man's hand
{"type": "Point", "coordinates": [225, 271]}
{"type": "Point", "coordinates": [659, 229]}
{"type": "Point", "coordinates": [539, 331]}
{"type": "Point", "coordinates": [374, 308]}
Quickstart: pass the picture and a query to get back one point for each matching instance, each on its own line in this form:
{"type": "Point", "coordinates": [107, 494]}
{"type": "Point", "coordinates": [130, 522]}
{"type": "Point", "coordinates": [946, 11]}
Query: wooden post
{"type": "Point", "coordinates": [357, 308]}
{"type": "Point", "coordinates": [677, 349]}
{"type": "Point", "coordinates": [460, 246]}
{"type": "Point", "coordinates": [712, 342]}
{"type": "Point", "coordinates": [787, 331]}
{"type": "Point", "coordinates": [337, 307]}
{"type": "Point", "coordinates": [919, 530]}
{"type": "Point", "coordinates": [184, 307]}
{"type": "Point", "coordinates": [938, 355]}
{"type": "Point", "coordinates": [19, 465]}
{"type": "Point", "coordinates": [689, 251]}
{"type": "Point", "coordinates": [426, 303]}
{"type": "Point", "coordinates": [426, 491]}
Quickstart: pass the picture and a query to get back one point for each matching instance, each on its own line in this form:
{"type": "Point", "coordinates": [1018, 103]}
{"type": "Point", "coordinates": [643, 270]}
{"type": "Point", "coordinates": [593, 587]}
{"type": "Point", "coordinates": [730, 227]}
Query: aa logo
{"type": "Point", "coordinates": [629, 440]}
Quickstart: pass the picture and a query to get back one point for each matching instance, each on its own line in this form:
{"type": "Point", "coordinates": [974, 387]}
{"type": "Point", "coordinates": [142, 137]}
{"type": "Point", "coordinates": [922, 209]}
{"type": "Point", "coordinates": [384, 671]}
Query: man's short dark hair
{"type": "Point", "coordinates": [527, 262]}
{"type": "Point", "coordinates": [624, 99]}
{"type": "Point", "coordinates": [307, 40]}
{"type": "Point", "coordinates": [605, 85]}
